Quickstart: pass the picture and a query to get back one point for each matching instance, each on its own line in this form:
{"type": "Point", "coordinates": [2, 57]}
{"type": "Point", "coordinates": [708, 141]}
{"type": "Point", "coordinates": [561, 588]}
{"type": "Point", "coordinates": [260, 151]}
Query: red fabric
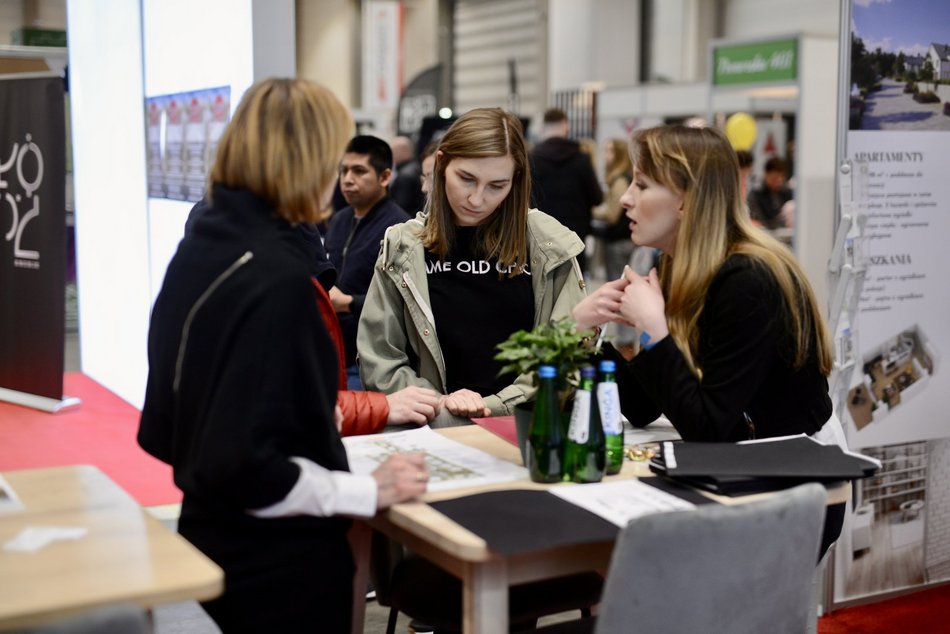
{"type": "Point", "coordinates": [503, 426]}
{"type": "Point", "coordinates": [325, 306]}
{"type": "Point", "coordinates": [363, 412]}
{"type": "Point", "coordinates": [923, 611]}
{"type": "Point", "coordinates": [100, 432]}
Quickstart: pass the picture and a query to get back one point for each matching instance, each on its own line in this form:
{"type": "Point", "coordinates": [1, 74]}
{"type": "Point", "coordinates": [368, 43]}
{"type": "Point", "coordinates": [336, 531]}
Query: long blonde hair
{"type": "Point", "coordinates": [284, 144]}
{"type": "Point", "coordinates": [480, 133]}
{"type": "Point", "coordinates": [701, 164]}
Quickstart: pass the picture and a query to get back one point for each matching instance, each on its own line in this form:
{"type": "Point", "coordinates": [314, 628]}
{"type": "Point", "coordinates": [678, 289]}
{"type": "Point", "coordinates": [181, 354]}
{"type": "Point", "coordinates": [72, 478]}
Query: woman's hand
{"type": "Point", "coordinates": [643, 305]}
{"type": "Point", "coordinates": [465, 403]}
{"type": "Point", "coordinates": [399, 478]}
{"type": "Point", "coordinates": [601, 306]}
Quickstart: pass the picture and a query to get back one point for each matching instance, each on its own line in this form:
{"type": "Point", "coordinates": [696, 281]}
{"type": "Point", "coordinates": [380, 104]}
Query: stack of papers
{"type": "Point", "coordinates": [762, 466]}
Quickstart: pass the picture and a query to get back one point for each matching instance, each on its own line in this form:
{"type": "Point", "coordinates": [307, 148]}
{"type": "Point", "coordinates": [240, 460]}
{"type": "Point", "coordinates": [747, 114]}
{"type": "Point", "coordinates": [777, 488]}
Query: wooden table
{"type": "Point", "coordinates": [486, 575]}
{"type": "Point", "coordinates": [127, 556]}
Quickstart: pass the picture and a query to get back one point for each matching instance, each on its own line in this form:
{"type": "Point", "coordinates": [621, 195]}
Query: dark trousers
{"type": "Point", "coordinates": [283, 575]}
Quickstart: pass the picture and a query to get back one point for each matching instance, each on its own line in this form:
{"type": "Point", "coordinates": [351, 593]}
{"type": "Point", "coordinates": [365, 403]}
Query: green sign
{"type": "Point", "coordinates": [31, 36]}
{"type": "Point", "coordinates": [756, 63]}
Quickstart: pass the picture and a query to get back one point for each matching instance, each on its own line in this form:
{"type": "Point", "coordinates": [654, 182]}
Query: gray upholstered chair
{"type": "Point", "coordinates": [743, 568]}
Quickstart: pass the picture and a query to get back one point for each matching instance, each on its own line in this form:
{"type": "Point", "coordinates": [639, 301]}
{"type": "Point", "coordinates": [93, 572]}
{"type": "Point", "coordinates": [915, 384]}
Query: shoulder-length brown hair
{"type": "Point", "coordinates": [284, 144]}
{"type": "Point", "coordinates": [481, 133]}
{"type": "Point", "coordinates": [701, 164]}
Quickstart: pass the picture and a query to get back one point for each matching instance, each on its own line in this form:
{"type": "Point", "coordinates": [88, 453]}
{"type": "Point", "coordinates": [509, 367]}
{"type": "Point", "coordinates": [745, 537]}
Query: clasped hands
{"type": "Point", "coordinates": [633, 300]}
{"type": "Point", "coordinates": [420, 405]}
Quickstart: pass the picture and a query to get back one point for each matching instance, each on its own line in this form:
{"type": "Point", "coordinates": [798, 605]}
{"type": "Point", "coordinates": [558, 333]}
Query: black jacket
{"type": "Point", "coordinates": [355, 269]}
{"type": "Point", "coordinates": [242, 372]}
{"type": "Point", "coordinates": [565, 185]}
{"type": "Point", "coordinates": [744, 349]}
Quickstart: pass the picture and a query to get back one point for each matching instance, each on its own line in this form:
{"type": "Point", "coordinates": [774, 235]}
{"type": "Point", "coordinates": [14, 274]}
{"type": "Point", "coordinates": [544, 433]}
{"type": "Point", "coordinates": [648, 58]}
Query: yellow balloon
{"type": "Point", "coordinates": [741, 131]}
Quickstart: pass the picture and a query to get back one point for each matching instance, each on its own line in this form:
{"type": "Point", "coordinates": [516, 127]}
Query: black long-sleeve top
{"type": "Point", "coordinates": [745, 351]}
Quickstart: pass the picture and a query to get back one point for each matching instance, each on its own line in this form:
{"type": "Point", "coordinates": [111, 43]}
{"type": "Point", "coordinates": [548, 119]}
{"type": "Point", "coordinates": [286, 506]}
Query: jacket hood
{"type": "Point", "coordinates": [557, 150]}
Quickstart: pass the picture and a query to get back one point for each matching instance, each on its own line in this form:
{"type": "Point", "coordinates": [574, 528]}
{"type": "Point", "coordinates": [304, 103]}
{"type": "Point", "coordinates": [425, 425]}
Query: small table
{"type": "Point", "coordinates": [127, 556]}
{"type": "Point", "coordinates": [486, 575]}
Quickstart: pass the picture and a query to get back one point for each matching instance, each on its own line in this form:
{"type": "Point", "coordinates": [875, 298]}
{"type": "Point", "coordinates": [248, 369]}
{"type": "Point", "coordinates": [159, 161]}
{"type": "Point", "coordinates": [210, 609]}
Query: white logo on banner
{"type": "Point", "coordinates": [29, 182]}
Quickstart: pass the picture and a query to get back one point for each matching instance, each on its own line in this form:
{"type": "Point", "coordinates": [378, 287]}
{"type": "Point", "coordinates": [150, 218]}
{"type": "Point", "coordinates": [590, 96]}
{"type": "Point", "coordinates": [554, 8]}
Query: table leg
{"type": "Point", "coordinates": [485, 597]}
{"type": "Point", "coordinates": [359, 537]}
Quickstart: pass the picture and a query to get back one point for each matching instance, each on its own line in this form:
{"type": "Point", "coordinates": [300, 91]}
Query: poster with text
{"type": "Point", "coordinates": [896, 407]}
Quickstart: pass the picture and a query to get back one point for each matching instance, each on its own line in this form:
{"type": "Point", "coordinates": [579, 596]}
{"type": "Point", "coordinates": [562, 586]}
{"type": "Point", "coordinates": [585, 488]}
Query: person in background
{"type": "Point", "coordinates": [565, 183]}
{"type": "Point", "coordinates": [734, 343]}
{"type": "Point", "coordinates": [459, 278]}
{"type": "Point", "coordinates": [242, 382]}
{"type": "Point", "coordinates": [404, 187]}
{"type": "Point", "coordinates": [354, 233]}
{"type": "Point", "coordinates": [746, 160]}
{"type": "Point", "coordinates": [428, 166]}
{"type": "Point", "coordinates": [767, 204]}
{"type": "Point", "coordinates": [614, 234]}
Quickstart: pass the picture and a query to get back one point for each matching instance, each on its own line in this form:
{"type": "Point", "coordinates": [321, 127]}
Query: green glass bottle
{"type": "Point", "coordinates": [584, 450]}
{"type": "Point", "coordinates": [545, 449]}
{"type": "Point", "coordinates": [608, 398]}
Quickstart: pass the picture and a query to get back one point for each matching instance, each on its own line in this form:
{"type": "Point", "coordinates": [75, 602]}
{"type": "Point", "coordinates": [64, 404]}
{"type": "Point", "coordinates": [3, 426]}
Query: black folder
{"type": "Point", "coordinates": [762, 466]}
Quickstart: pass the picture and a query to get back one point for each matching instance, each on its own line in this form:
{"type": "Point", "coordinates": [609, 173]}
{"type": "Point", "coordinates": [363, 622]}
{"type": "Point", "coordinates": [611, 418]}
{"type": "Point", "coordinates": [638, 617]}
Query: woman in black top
{"type": "Point", "coordinates": [734, 344]}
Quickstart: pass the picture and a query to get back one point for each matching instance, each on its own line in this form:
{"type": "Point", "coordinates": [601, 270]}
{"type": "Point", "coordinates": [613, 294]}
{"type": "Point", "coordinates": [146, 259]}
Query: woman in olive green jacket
{"type": "Point", "coordinates": [460, 277]}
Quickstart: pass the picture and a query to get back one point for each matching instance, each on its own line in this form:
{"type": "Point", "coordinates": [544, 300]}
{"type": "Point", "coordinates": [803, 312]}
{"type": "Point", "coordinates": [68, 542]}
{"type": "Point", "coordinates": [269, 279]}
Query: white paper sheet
{"type": "Point", "coordinates": [451, 465]}
{"type": "Point", "coordinates": [34, 538]}
{"type": "Point", "coordinates": [622, 500]}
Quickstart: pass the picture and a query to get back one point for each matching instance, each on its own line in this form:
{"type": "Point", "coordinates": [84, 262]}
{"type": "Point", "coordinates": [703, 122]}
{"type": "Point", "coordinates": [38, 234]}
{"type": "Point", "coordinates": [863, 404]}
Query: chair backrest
{"type": "Point", "coordinates": [740, 568]}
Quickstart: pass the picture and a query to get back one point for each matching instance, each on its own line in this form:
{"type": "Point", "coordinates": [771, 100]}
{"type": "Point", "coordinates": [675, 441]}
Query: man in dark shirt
{"type": "Point", "coordinates": [565, 185]}
{"type": "Point", "coordinates": [766, 202]}
{"type": "Point", "coordinates": [354, 233]}
{"type": "Point", "coordinates": [404, 187]}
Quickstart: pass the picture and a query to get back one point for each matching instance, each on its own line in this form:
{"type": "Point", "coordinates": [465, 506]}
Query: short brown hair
{"type": "Point", "coordinates": [284, 144]}
{"type": "Point", "coordinates": [554, 115]}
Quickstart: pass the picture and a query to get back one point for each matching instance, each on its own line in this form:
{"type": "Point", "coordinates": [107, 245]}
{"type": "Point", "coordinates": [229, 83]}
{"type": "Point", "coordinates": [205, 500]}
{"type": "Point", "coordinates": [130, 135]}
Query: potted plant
{"type": "Point", "coordinates": [557, 343]}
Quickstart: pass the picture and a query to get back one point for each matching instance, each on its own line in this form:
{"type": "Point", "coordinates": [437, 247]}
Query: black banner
{"type": "Point", "coordinates": [32, 235]}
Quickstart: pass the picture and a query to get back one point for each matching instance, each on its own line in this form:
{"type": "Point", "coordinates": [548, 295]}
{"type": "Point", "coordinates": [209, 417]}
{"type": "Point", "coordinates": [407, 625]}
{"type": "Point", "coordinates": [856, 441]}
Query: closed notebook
{"type": "Point", "coordinates": [797, 458]}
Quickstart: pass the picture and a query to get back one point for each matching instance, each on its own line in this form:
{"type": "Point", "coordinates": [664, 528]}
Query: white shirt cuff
{"type": "Point", "coordinates": [321, 492]}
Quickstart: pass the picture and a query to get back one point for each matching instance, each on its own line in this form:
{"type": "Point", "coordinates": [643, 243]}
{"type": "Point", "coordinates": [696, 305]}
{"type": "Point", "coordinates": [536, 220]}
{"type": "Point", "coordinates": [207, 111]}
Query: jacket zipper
{"type": "Point", "coordinates": [183, 344]}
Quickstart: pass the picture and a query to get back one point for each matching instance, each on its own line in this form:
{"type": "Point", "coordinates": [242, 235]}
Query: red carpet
{"type": "Point", "coordinates": [99, 432]}
{"type": "Point", "coordinates": [924, 611]}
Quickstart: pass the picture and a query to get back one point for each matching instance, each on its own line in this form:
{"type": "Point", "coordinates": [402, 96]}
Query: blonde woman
{"type": "Point", "coordinates": [242, 380]}
{"type": "Point", "coordinates": [468, 271]}
{"type": "Point", "coordinates": [734, 345]}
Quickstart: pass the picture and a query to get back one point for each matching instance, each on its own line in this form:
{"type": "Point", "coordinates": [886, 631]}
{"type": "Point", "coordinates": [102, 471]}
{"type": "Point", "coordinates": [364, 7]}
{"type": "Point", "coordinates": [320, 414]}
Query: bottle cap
{"type": "Point", "coordinates": [547, 371]}
{"type": "Point", "coordinates": [608, 366]}
{"type": "Point", "coordinates": [588, 372]}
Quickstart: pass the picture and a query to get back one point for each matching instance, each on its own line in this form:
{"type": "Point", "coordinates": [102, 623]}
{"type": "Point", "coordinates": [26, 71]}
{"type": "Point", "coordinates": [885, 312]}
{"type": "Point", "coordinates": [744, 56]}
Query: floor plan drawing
{"type": "Point", "coordinates": [892, 373]}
